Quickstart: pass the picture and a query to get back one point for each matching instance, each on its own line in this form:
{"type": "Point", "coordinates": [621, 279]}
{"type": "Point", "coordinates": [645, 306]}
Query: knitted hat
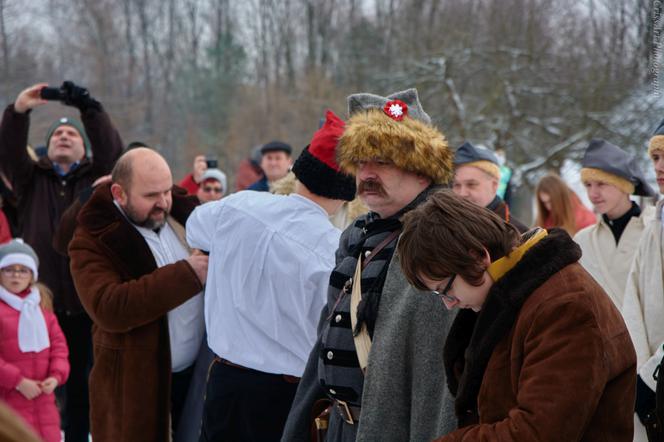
{"type": "Point", "coordinates": [607, 162]}
{"type": "Point", "coordinates": [276, 146]}
{"type": "Point", "coordinates": [394, 128]}
{"type": "Point", "coordinates": [317, 168]}
{"type": "Point", "coordinates": [217, 175]}
{"type": "Point", "coordinates": [18, 252]}
{"type": "Point", "coordinates": [64, 121]}
{"type": "Point", "coordinates": [482, 158]}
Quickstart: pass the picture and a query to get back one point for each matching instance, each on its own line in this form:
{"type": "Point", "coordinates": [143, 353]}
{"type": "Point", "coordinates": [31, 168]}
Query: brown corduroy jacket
{"type": "Point", "coordinates": [128, 299]}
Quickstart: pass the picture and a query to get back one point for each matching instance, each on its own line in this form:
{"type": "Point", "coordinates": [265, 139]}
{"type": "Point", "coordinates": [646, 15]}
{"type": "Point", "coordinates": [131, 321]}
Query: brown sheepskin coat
{"type": "Point", "coordinates": [548, 358]}
{"type": "Point", "coordinates": [128, 297]}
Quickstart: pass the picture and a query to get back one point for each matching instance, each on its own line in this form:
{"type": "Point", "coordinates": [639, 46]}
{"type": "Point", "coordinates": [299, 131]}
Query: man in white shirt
{"type": "Point", "coordinates": [271, 257]}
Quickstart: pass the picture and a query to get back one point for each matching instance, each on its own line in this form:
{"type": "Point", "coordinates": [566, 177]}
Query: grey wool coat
{"type": "Point", "coordinates": [405, 395]}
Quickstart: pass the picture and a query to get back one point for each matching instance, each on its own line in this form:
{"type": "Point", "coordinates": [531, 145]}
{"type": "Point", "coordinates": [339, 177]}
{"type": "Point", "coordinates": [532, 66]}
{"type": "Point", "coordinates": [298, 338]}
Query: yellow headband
{"type": "Point", "coordinates": [592, 174]}
{"type": "Point", "coordinates": [656, 143]}
{"type": "Point", "coordinates": [485, 166]}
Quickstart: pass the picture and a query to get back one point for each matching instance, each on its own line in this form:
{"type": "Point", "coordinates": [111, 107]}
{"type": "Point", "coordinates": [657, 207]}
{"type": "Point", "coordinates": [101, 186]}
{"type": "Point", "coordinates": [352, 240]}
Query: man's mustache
{"type": "Point", "coordinates": [371, 186]}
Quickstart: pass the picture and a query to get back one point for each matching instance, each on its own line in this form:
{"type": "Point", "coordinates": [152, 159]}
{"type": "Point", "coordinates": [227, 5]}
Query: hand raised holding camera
{"type": "Point", "coordinates": [29, 98]}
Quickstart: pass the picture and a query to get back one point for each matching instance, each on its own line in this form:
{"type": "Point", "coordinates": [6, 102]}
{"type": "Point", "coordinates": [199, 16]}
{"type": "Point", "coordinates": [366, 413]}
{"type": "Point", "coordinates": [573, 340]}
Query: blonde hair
{"type": "Point", "coordinates": [46, 296]}
{"type": "Point", "coordinates": [562, 204]}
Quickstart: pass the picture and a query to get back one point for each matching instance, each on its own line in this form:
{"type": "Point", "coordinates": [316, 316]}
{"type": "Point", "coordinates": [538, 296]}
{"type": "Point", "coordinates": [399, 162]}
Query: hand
{"type": "Point", "coordinates": [48, 385]}
{"type": "Point", "coordinates": [200, 265]}
{"type": "Point", "coordinates": [29, 98]}
{"type": "Point", "coordinates": [77, 96]}
{"type": "Point", "coordinates": [200, 166]}
{"type": "Point", "coordinates": [29, 388]}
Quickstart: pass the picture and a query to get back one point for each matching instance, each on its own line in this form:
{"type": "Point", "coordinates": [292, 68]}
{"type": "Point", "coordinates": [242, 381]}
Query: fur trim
{"type": "Point", "coordinates": [497, 317]}
{"type": "Point", "coordinates": [410, 144]}
{"type": "Point", "coordinates": [285, 185]}
{"type": "Point", "coordinates": [485, 166]}
{"type": "Point", "coordinates": [656, 143]}
{"type": "Point", "coordinates": [592, 174]}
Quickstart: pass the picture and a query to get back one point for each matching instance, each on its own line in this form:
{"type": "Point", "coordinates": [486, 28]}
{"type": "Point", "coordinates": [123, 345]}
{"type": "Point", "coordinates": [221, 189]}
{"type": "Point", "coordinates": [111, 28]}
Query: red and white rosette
{"type": "Point", "coordinates": [396, 109]}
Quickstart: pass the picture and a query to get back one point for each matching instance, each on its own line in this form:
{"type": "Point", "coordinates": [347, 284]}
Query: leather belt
{"type": "Point", "coordinates": [349, 413]}
{"type": "Point", "coordinates": [286, 377]}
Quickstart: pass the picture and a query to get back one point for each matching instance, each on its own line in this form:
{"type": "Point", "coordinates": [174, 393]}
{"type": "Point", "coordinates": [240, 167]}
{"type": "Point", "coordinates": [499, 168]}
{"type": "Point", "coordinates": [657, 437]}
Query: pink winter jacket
{"type": "Point", "coordinates": [41, 412]}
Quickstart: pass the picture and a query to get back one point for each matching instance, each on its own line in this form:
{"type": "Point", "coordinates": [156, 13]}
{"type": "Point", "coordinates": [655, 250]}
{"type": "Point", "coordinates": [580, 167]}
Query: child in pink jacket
{"type": "Point", "coordinates": [33, 350]}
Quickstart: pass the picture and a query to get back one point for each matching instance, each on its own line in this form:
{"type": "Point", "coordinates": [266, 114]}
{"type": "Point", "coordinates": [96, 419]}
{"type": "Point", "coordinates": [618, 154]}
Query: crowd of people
{"type": "Point", "coordinates": [375, 287]}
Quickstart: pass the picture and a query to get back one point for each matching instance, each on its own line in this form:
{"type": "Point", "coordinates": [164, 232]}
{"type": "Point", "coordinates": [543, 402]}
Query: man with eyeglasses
{"type": "Point", "coordinates": [212, 186]}
{"type": "Point", "coordinates": [378, 343]}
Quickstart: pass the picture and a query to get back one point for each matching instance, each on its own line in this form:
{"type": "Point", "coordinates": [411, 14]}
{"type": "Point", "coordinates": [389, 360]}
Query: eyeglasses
{"type": "Point", "coordinates": [444, 294]}
{"type": "Point", "coordinates": [212, 189]}
{"type": "Point", "coordinates": [16, 271]}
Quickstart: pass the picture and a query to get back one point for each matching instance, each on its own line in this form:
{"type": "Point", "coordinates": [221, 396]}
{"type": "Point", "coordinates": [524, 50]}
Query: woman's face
{"type": "Point", "coordinates": [460, 293]}
{"type": "Point", "coordinates": [15, 278]}
{"type": "Point", "coordinates": [545, 198]}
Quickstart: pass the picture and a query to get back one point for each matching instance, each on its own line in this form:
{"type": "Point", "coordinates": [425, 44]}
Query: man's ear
{"type": "Point", "coordinates": [494, 186]}
{"type": "Point", "coordinates": [118, 193]}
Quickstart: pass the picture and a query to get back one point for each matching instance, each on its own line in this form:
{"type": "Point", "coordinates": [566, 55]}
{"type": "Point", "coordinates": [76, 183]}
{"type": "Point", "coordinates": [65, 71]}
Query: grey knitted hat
{"type": "Point", "coordinates": [215, 174]}
{"type": "Point", "coordinates": [18, 252]}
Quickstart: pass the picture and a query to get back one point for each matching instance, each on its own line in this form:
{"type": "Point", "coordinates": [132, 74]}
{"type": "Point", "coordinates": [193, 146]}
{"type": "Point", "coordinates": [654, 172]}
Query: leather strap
{"type": "Point", "coordinates": [362, 339]}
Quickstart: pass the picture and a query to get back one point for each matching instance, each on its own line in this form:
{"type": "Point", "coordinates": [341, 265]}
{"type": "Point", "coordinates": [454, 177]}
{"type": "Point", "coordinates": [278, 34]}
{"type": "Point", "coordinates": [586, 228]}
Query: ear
{"type": "Point", "coordinates": [486, 260]}
{"type": "Point", "coordinates": [119, 194]}
{"type": "Point", "coordinates": [494, 186]}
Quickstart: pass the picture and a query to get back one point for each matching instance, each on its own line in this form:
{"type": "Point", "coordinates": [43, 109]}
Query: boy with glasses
{"type": "Point", "coordinates": [539, 353]}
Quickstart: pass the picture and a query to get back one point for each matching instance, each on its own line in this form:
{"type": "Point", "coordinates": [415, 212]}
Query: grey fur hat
{"type": "Point", "coordinates": [364, 101]}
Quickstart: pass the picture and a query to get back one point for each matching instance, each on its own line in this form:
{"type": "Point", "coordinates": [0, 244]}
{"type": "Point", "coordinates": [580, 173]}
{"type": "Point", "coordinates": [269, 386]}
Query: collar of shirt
{"type": "Point", "coordinates": [308, 202]}
{"type": "Point", "coordinates": [59, 171]}
{"type": "Point", "coordinates": [619, 224]}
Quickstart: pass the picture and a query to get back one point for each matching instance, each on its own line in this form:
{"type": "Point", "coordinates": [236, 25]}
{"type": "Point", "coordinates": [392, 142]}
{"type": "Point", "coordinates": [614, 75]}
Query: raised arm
{"type": "Point", "coordinates": [14, 158]}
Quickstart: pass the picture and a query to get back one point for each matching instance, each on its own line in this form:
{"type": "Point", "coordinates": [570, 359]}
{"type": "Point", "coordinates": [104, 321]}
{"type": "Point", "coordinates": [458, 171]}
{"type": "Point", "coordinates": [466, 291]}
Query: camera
{"type": "Point", "coordinates": [53, 94]}
{"type": "Point", "coordinates": [211, 162]}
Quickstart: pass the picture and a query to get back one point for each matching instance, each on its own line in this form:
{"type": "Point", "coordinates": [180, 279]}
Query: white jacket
{"type": "Point", "coordinates": [609, 263]}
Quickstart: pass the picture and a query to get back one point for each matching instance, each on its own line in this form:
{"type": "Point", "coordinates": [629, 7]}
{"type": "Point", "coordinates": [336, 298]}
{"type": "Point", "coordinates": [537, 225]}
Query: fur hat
{"type": "Point", "coordinates": [317, 168]}
{"type": "Point", "coordinates": [607, 162]}
{"type": "Point", "coordinates": [18, 252]}
{"type": "Point", "coordinates": [482, 158]}
{"type": "Point", "coordinates": [657, 139]}
{"type": "Point", "coordinates": [65, 121]}
{"type": "Point", "coordinates": [394, 128]}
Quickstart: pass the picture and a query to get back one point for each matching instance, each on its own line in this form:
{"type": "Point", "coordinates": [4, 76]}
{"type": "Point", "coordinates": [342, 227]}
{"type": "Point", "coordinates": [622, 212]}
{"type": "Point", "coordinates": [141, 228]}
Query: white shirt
{"type": "Point", "coordinates": [270, 263]}
{"type": "Point", "coordinates": [186, 324]}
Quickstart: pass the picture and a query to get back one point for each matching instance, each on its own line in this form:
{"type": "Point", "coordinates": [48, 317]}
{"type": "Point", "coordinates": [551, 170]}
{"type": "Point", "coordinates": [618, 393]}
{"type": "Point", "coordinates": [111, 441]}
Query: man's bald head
{"type": "Point", "coordinates": [140, 160]}
{"type": "Point", "coordinates": [142, 185]}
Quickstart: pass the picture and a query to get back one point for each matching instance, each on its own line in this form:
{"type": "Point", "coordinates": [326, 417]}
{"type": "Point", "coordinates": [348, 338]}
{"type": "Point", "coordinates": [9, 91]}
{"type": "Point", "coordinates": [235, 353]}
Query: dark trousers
{"type": "Point", "coordinates": [179, 387]}
{"type": "Point", "coordinates": [245, 405]}
{"type": "Point", "coordinates": [73, 396]}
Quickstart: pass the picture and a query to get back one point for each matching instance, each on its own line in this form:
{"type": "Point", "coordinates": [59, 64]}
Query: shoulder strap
{"type": "Point", "coordinates": [362, 339]}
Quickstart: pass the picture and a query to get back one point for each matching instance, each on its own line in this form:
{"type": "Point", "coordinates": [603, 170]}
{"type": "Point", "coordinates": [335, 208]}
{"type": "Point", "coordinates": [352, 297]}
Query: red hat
{"type": "Point", "coordinates": [317, 168]}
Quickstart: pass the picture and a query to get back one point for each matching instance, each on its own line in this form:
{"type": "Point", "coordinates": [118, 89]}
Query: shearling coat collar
{"type": "Point", "coordinates": [474, 336]}
{"type": "Point", "coordinates": [102, 219]}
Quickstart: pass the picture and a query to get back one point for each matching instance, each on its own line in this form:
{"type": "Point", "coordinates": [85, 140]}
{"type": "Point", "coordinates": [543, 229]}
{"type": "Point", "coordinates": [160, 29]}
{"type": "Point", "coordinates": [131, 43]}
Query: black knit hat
{"type": "Point", "coordinates": [316, 167]}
